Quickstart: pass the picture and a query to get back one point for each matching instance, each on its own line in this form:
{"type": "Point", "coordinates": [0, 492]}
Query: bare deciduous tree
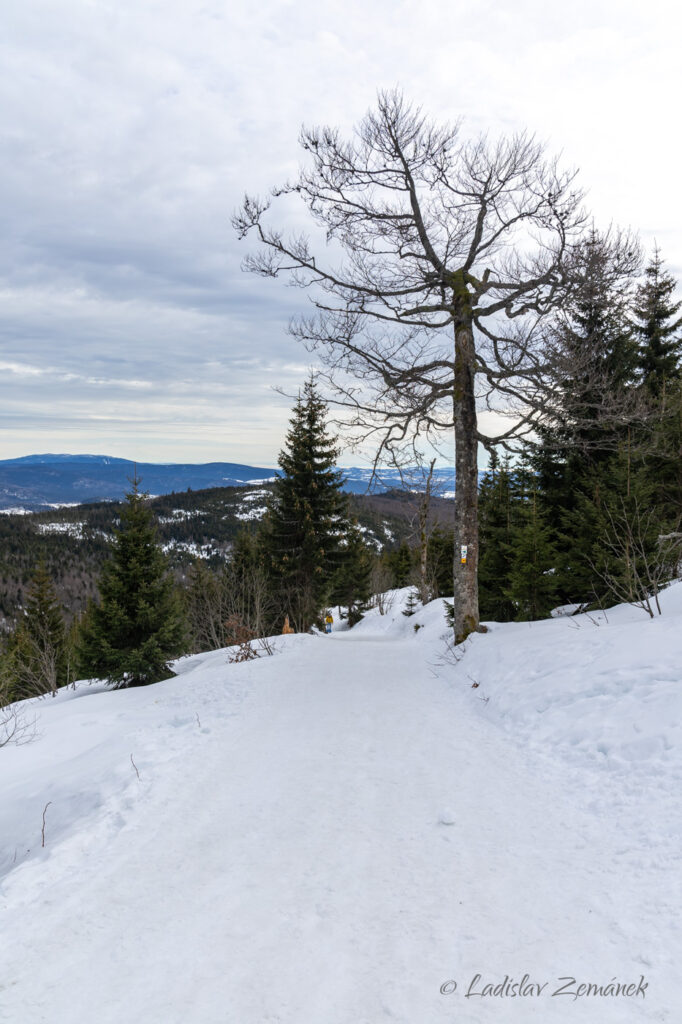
{"type": "Point", "coordinates": [35, 661]}
{"type": "Point", "coordinates": [380, 583]}
{"type": "Point", "coordinates": [451, 254]}
{"type": "Point", "coordinates": [207, 607]}
{"type": "Point", "coordinates": [252, 600]}
{"type": "Point", "coordinates": [215, 600]}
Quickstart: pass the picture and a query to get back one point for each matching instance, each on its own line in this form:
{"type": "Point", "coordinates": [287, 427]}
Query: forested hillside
{"type": "Point", "coordinates": [74, 541]}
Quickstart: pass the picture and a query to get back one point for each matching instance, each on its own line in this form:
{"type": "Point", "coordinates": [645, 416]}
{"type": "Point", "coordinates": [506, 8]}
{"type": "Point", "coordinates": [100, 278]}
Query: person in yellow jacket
{"type": "Point", "coordinates": [328, 622]}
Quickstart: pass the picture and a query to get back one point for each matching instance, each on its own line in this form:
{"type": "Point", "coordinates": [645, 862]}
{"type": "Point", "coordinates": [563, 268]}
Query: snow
{"type": "Point", "coordinates": [339, 833]}
{"type": "Point", "coordinates": [255, 512]}
{"type": "Point", "coordinates": [256, 483]}
{"type": "Point", "coordinates": [69, 529]}
{"type": "Point", "coordinates": [78, 530]}
{"type": "Point", "coordinates": [19, 510]}
{"type": "Point", "coordinates": [190, 547]}
{"type": "Point", "coordinates": [368, 537]}
{"type": "Point", "coordinates": [249, 511]}
{"type": "Point", "coordinates": [180, 515]}
{"type": "Point", "coordinates": [255, 495]}
{"type": "Point", "coordinates": [567, 609]}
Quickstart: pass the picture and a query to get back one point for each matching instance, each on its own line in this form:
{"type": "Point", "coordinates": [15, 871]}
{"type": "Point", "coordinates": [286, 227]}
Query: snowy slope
{"type": "Point", "coordinates": [332, 834]}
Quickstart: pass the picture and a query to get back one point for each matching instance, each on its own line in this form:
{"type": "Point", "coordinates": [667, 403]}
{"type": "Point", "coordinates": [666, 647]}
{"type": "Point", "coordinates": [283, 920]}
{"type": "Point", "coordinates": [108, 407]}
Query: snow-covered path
{"type": "Point", "coordinates": [326, 836]}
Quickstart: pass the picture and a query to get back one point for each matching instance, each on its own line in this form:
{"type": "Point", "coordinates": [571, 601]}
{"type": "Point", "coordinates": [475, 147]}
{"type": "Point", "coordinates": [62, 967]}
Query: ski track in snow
{"type": "Point", "coordinates": [328, 835]}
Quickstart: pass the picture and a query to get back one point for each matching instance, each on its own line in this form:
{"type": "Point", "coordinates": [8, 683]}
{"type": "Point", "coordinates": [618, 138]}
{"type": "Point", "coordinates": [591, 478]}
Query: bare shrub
{"type": "Point", "coordinates": [17, 726]}
{"type": "Point", "coordinates": [242, 637]}
{"type": "Point", "coordinates": [249, 647]}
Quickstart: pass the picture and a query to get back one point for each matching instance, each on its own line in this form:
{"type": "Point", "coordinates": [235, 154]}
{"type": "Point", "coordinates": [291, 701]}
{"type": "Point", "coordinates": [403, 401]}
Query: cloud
{"type": "Point", "coordinates": [131, 131]}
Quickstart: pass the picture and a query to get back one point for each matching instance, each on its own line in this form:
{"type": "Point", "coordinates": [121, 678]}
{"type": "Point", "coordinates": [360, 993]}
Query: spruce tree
{"type": "Point", "coordinates": [657, 327]}
{"type": "Point", "coordinates": [37, 652]}
{"type": "Point", "coordinates": [616, 490]}
{"type": "Point", "coordinates": [659, 330]}
{"type": "Point", "coordinates": [599, 349]}
{"type": "Point", "coordinates": [411, 602]}
{"type": "Point", "coordinates": [663, 460]}
{"type": "Point", "coordinates": [574, 462]}
{"type": "Point", "coordinates": [439, 560]}
{"type": "Point", "coordinates": [400, 562]}
{"type": "Point", "coordinates": [496, 520]}
{"type": "Point", "coordinates": [630, 555]}
{"type": "Point", "coordinates": [131, 634]}
{"type": "Point", "coordinates": [307, 516]}
{"type": "Point", "coordinates": [532, 585]}
{"type": "Point", "coordinates": [351, 583]}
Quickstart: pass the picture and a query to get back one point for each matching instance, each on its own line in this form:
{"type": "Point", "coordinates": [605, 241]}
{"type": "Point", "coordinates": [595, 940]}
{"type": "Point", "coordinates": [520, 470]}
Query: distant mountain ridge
{"type": "Point", "coordinates": [36, 481]}
{"type": "Point", "coordinates": [48, 459]}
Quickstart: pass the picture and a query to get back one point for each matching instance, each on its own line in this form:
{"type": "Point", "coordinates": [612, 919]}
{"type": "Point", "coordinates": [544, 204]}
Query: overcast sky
{"type": "Point", "coordinates": [130, 131]}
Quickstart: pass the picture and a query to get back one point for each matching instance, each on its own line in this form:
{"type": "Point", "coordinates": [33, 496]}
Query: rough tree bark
{"type": "Point", "coordinates": [465, 566]}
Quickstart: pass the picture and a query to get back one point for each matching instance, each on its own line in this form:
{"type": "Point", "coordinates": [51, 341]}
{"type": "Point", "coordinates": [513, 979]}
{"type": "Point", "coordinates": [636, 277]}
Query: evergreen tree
{"type": "Point", "coordinates": [574, 463]}
{"type": "Point", "coordinates": [532, 578]}
{"type": "Point", "coordinates": [37, 652]}
{"type": "Point", "coordinates": [597, 356]}
{"type": "Point", "coordinates": [657, 327]}
{"type": "Point", "coordinates": [307, 516]}
{"type": "Point", "coordinates": [659, 330]}
{"type": "Point", "coordinates": [598, 350]}
{"type": "Point", "coordinates": [351, 584]}
{"type": "Point", "coordinates": [412, 602]}
{"type": "Point", "coordinates": [631, 561]}
{"type": "Point", "coordinates": [441, 544]}
{"type": "Point", "coordinates": [496, 520]}
{"type": "Point", "coordinates": [400, 564]}
{"type": "Point", "coordinates": [663, 460]}
{"type": "Point", "coordinates": [129, 637]}
{"type": "Point", "coordinates": [617, 491]}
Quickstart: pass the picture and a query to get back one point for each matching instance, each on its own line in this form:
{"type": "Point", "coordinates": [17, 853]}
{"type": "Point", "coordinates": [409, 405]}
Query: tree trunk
{"type": "Point", "coordinates": [466, 484]}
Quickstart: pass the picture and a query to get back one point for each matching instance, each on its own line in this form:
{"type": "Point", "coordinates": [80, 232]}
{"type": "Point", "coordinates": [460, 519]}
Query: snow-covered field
{"type": "Point", "coordinates": [341, 832]}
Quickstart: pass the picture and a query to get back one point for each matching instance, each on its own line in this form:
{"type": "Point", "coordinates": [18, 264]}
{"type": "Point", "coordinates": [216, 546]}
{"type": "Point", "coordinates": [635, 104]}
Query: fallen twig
{"type": "Point", "coordinates": [44, 813]}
